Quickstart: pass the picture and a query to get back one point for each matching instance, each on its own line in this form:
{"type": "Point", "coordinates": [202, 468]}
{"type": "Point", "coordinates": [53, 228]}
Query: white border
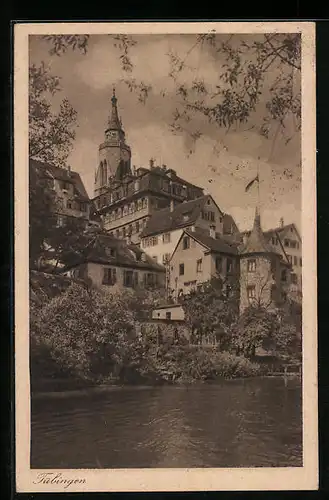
{"type": "Point", "coordinates": [299, 478]}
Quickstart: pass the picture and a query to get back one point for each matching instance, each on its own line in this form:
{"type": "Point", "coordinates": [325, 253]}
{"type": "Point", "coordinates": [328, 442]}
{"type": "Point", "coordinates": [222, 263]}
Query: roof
{"type": "Point", "coordinates": [61, 174]}
{"type": "Point", "coordinates": [213, 244]}
{"type": "Point", "coordinates": [183, 215]}
{"type": "Point", "coordinates": [281, 229]}
{"type": "Point", "coordinates": [106, 249]}
{"type": "Point", "coordinates": [114, 122]}
{"type": "Point", "coordinates": [256, 242]}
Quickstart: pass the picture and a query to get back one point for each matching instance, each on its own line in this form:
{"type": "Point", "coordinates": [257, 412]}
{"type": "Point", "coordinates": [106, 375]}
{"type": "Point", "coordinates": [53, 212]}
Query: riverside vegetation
{"type": "Point", "coordinates": [87, 336]}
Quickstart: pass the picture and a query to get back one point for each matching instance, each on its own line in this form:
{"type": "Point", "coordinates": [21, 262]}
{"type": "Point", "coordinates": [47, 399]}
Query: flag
{"type": "Point", "coordinates": [251, 183]}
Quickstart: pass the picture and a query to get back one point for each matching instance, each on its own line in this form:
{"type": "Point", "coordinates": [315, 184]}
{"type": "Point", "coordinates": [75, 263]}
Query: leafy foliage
{"type": "Point", "coordinates": [51, 133]}
{"type": "Point", "coordinates": [212, 309]}
{"type": "Point", "coordinates": [260, 327]}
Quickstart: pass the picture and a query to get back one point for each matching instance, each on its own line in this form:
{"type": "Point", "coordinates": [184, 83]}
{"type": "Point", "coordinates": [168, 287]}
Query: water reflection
{"type": "Point", "coordinates": [242, 423]}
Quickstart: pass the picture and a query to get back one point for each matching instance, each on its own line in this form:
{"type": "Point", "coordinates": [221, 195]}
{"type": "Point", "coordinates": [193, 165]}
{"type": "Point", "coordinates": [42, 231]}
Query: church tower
{"type": "Point", "coordinates": [114, 153]}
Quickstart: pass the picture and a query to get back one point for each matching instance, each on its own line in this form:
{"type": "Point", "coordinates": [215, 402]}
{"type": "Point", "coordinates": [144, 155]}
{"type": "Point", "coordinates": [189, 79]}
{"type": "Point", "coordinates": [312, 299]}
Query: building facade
{"type": "Point", "coordinates": [199, 257]}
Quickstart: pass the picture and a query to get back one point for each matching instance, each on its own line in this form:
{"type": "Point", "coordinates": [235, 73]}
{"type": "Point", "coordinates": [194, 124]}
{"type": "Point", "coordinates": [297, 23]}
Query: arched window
{"type": "Point", "coordinates": [105, 172]}
{"type": "Point", "coordinates": [101, 173]}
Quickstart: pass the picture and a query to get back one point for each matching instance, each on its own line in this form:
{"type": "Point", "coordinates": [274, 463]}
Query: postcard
{"type": "Point", "coordinates": [165, 256]}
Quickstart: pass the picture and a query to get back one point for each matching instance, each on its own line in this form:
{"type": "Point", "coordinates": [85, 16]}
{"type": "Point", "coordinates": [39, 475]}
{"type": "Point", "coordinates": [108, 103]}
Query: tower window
{"type": "Point", "coordinates": [251, 292]}
{"type": "Point", "coordinates": [251, 265]}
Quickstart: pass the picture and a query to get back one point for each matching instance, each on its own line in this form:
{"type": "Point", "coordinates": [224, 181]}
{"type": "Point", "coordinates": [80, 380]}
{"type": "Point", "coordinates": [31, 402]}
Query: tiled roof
{"type": "Point", "coordinates": [106, 249]}
{"type": "Point", "coordinates": [183, 215]}
{"type": "Point", "coordinates": [214, 244]}
{"type": "Point", "coordinates": [61, 174]}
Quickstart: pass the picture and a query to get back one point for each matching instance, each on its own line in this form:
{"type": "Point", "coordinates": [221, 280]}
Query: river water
{"type": "Point", "coordinates": [238, 423]}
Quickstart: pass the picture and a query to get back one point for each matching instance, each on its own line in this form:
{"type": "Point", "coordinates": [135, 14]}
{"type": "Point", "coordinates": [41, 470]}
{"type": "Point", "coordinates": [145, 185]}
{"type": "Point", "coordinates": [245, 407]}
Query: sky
{"type": "Point", "coordinates": [221, 162]}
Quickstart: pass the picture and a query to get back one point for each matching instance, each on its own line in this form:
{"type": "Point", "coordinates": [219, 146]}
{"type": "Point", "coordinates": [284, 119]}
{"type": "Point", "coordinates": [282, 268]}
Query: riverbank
{"type": "Point", "coordinates": [61, 390]}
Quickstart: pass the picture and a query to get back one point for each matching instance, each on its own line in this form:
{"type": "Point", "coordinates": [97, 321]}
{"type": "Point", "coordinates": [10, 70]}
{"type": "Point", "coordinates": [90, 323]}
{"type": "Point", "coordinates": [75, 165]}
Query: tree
{"type": "Point", "coordinates": [51, 133]}
{"type": "Point", "coordinates": [82, 333]}
{"type": "Point", "coordinates": [273, 330]}
{"type": "Point", "coordinates": [42, 201]}
{"type": "Point", "coordinates": [212, 309]}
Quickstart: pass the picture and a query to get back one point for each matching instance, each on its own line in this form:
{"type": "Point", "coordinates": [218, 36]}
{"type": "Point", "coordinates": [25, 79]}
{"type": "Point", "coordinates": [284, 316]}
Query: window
{"type": "Point", "coordinates": [229, 266]}
{"type": "Point", "coordinates": [123, 231]}
{"type": "Point", "coordinates": [294, 279]}
{"type": "Point", "coordinates": [168, 315]}
{"type": "Point", "coordinates": [293, 244]}
{"type": "Point", "coordinates": [273, 241]}
{"type": "Point", "coordinates": [69, 204]}
{"type": "Point", "coordinates": [208, 215]}
{"type": "Point", "coordinates": [155, 258]}
{"type": "Point", "coordinates": [83, 207]}
{"type": "Point", "coordinates": [150, 279]}
{"type": "Point", "coordinates": [297, 245]}
{"type": "Point", "coordinates": [186, 242]}
{"type": "Point", "coordinates": [128, 278]}
{"type": "Point", "coordinates": [286, 243]}
{"type": "Point", "coordinates": [117, 233]}
{"type": "Point", "coordinates": [289, 258]}
{"type": "Point", "coordinates": [137, 227]}
{"type": "Point", "coordinates": [218, 264]}
{"type": "Point", "coordinates": [109, 276]}
{"type": "Point", "coordinates": [165, 258]}
{"type": "Point", "coordinates": [199, 266]}
{"type": "Point", "coordinates": [166, 238]}
{"type": "Point", "coordinates": [251, 265]}
{"type": "Point", "coordinates": [65, 186]}
{"type": "Point", "coordinates": [300, 261]}
{"type": "Point", "coordinates": [181, 269]}
{"type": "Point", "coordinates": [130, 229]}
{"type": "Point", "coordinates": [295, 260]}
{"type": "Point", "coordinates": [284, 275]}
{"type": "Point", "coordinates": [251, 292]}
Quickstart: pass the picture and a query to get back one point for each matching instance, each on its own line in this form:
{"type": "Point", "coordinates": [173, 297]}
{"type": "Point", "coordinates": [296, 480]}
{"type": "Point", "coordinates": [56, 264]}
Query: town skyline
{"type": "Point", "coordinates": [221, 165]}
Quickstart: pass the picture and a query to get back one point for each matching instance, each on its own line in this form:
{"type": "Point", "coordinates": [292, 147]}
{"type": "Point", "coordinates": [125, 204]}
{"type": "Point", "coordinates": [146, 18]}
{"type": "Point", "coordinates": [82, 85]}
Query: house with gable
{"type": "Point", "coordinates": [165, 228]}
{"type": "Point", "coordinates": [197, 258]}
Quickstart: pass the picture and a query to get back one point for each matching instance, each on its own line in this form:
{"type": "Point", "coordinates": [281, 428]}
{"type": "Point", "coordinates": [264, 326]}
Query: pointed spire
{"type": "Point", "coordinates": [114, 122]}
{"type": "Point", "coordinates": [256, 242]}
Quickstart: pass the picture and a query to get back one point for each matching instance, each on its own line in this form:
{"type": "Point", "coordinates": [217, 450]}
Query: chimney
{"type": "Point", "coordinates": [244, 238]}
{"type": "Point", "coordinates": [281, 222]}
{"type": "Point", "coordinates": [212, 232]}
{"type": "Point", "coordinates": [151, 163]}
{"type": "Point", "coordinates": [192, 228]}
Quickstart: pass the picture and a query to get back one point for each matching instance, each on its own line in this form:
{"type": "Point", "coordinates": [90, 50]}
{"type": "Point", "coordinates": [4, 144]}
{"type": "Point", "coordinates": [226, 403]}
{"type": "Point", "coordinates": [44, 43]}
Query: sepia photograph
{"type": "Point", "coordinates": [165, 317]}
